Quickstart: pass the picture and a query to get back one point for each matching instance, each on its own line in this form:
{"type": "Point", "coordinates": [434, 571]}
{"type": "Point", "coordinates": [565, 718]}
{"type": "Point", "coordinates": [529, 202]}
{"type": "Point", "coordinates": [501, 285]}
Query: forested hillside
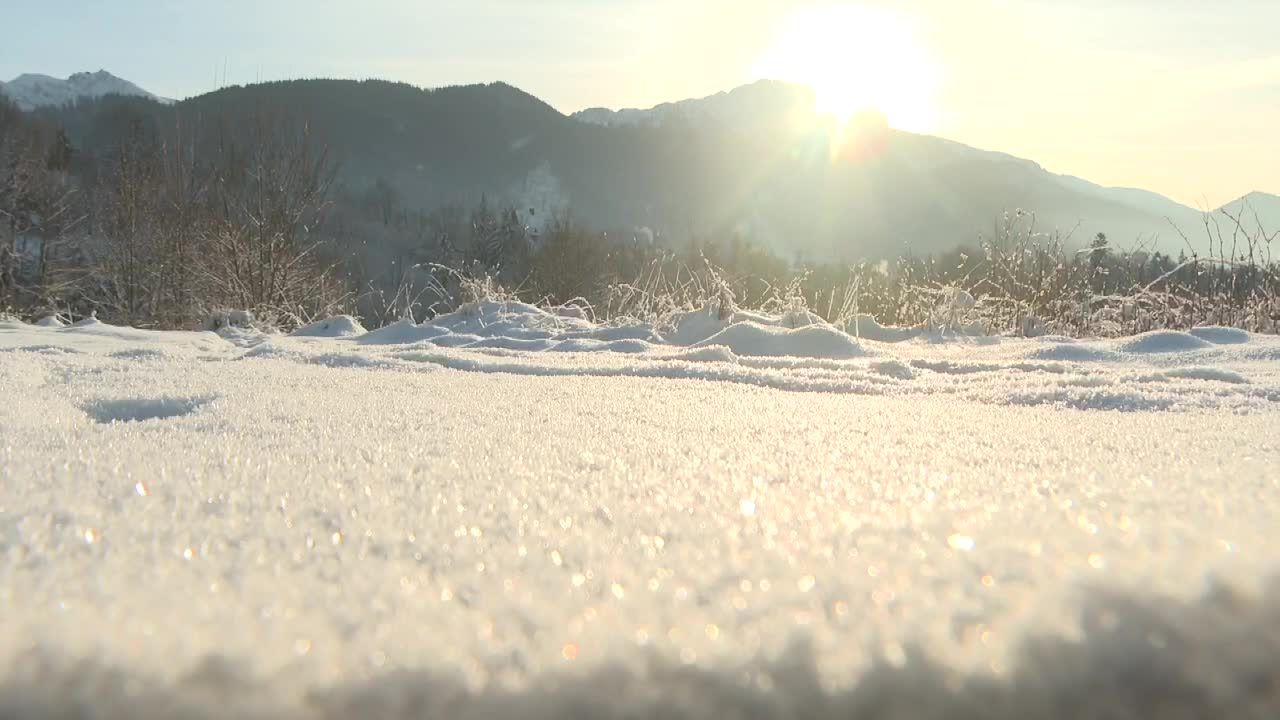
{"type": "Point", "coordinates": [307, 198]}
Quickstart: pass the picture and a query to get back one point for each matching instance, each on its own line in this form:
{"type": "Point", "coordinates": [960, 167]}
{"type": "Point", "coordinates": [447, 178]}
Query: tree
{"type": "Point", "coordinates": [570, 263]}
{"type": "Point", "coordinates": [182, 197]}
{"type": "Point", "coordinates": [264, 249]}
{"type": "Point", "coordinates": [1098, 255]}
{"type": "Point", "coordinates": [126, 273]}
{"type": "Point", "coordinates": [37, 213]}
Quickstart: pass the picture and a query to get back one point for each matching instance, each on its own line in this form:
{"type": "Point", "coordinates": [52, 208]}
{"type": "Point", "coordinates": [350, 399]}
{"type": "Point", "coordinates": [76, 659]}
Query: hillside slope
{"type": "Point", "coordinates": [801, 188]}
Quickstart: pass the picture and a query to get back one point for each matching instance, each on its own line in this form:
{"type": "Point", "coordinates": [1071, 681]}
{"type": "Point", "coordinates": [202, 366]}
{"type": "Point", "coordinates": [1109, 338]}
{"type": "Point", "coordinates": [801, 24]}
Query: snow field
{"type": "Point", "coordinates": [509, 512]}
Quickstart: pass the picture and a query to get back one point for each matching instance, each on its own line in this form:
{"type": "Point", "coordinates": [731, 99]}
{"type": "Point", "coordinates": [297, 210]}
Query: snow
{"type": "Point", "coordinates": [32, 90]}
{"type": "Point", "coordinates": [335, 327]}
{"type": "Point", "coordinates": [1163, 341]}
{"type": "Point", "coordinates": [514, 512]}
{"type": "Point", "coordinates": [752, 339]}
{"type": "Point", "coordinates": [1221, 335]}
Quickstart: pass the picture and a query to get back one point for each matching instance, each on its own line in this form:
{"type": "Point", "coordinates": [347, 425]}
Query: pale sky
{"type": "Point", "coordinates": [1177, 96]}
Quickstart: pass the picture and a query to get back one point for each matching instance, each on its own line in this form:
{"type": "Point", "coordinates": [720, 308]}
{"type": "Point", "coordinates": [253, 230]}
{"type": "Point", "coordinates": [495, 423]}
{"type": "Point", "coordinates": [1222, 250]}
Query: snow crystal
{"type": "Point", "coordinates": [509, 512]}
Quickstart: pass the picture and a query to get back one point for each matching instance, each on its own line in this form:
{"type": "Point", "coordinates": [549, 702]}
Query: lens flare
{"type": "Point", "coordinates": [858, 60]}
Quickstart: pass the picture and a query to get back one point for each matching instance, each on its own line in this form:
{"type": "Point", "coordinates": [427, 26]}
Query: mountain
{"type": "Point", "coordinates": [1145, 200]}
{"type": "Point", "coordinates": [32, 90]}
{"type": "Point", "coordinates": [1259, 215]}
{"type": "Point", "coordinates": [763, 104]}
{"type": "Point", "coordinates": [735, 164]}
{"type": "Point", "coordinates": [1130, 213]}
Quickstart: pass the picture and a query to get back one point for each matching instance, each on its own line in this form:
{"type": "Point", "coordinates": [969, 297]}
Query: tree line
{"type": "Point", "coordinates": [168, 226]}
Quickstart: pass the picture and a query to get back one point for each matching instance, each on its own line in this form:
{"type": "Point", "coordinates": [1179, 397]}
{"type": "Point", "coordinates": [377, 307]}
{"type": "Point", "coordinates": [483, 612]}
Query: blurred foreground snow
{"type": "Point", "coordinates": [511, 512]}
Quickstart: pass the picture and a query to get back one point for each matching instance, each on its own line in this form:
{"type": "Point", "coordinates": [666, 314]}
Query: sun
{"type": "Point", "coordinates": [857, 59]}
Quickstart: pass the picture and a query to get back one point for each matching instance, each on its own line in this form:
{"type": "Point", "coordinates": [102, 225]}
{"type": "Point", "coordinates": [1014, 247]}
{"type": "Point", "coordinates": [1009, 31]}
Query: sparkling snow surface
{"type": "Point", "coordinates": [509, 512]}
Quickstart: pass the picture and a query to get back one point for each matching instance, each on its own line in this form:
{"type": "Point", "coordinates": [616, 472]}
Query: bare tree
{"type": "Point", "coordinates": [181, 204]}
{"type": "Point", "coordinates": [37, 213]}
{"type": "Point", "coordinates": [127, 272]}
{"type": "Point", "coordinates": [262, 249]}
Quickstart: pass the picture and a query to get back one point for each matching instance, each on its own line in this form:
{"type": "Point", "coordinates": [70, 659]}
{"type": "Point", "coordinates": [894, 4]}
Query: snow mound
{"type": "Point", "coordinates": [696, 326]}
{"type": "Point", "coordinates": [691, 328]}
{"type": "Point", "coordinates": [753, 340]}
{"type": "Point", "coordinates": [492, 318]}
{"type": "Point", "coordinates": [1162, 341]}
{"type": "Point", "coordinates": [1221, 335]}
{"type": "Point", "coordinates": [335, 327]}
{"type": "Point", "coordinates": [50, 321]}
{"type": "Point", "coordinates": [401, 332]}
{"type": "Point", "coordinates": [789, 351]}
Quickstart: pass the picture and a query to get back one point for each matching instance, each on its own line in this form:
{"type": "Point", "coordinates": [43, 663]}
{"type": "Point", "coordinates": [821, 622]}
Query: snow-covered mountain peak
{"type": "Point", "coordinates": [33, 90]}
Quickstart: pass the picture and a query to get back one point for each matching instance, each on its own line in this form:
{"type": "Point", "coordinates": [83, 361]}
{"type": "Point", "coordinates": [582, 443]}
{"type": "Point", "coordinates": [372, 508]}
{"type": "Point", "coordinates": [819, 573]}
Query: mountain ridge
{"type": "Point", "coordinates": [34, 90]}
{"type": "Point", "coordinates": [686, 110]}
{"type": "Point", "coordinates": [724, 110]}
{"type": "Point", "coordinates": [728, 163]}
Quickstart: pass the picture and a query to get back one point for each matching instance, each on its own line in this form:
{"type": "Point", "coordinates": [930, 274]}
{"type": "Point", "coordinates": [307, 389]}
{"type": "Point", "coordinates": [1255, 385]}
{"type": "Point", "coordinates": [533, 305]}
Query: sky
{"type": "Point", "coordinates": [1179, 96]}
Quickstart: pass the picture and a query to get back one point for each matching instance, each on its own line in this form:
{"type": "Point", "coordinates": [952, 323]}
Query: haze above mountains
{"type": "Point", "coordinates": [757, 162]}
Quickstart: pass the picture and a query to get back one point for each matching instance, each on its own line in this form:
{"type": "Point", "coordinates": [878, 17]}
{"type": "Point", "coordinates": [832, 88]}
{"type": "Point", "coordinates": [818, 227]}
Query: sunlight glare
{"type": "Point", "coordinates": [857, 59]}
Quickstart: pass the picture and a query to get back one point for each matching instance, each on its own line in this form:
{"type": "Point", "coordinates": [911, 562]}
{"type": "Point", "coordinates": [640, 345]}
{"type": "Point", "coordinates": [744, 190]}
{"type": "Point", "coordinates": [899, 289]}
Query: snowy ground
{"type": "Point", "coordinates": [514, 513]}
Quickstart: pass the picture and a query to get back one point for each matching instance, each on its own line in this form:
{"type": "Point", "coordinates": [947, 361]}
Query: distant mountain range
{"type": "Point", "coordinates": [756, 162]}
{"type": "Point", "coordinates": [33, 91]}
{"type": "Point", "coordinates": [762, 105]}
{"type": "Point", "coordinates": [772, 104]}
